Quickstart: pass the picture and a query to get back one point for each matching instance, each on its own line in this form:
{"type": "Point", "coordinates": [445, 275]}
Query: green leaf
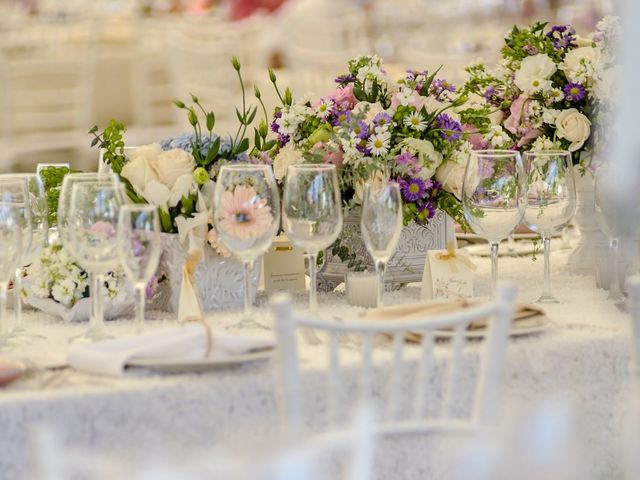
{"type": "Point", "coordinates": [256, 138]}
{"type": "Point", "coordinates": [213, 150]}
{"type": "Point", "coordinates": [359, 93]}
{"type": "Point", "coordinates": [240, 116]}
{"type": "Point", "coordinates": [165, 220]}
{"type": "Point", "coordinates": [243, 147]}
{"type": "Point", "coordinates": [252, 115]}
{"type": "Point", "coordinates": [269, 145]}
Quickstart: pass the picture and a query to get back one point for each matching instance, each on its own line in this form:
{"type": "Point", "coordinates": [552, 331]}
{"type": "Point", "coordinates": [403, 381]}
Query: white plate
{"type": "Point", "coordinates": [528, 326]}
{"type": "Point", "coordinates": [518, 249]}
{"type": "Point", "coordinates": [183, 365]}
{"type": "Point", "coordinates": [472, 237]}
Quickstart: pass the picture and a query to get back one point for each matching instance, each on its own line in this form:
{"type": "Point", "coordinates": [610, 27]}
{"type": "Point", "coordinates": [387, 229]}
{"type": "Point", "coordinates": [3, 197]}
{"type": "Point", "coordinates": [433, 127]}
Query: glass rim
{"type": "Point", "coordinates": [548, 153]}
{"type": "Point", "coordinates": [495, 153]}
{"type": "Point", "coordinates": [312, 166]}
{"type": "Point", "coordinates": [140, 207]}
{"type": "Point", "coordinates": [246, 166]}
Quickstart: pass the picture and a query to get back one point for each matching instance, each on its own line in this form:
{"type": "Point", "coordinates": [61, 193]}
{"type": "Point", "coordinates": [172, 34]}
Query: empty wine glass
{"type": "Point", "coordinates": [551, 201]}
{"type": "Point", "coordinates": [494, 198]}
{"type": "Point", "coordinates": [64, 203]}
{"type": "Point", "coordinates": [246, 219]}
{"type": "Point", "coordinates": [37, 201]}
{"type": "Point", "coordinates": [139, 249]}
{"type": "Point", "coordinates": [11, 230]}
{"type": "Point", "coordinates": [312, 213]}
{"type": "Point", "coordinates": [381, 225]}
{"type": "Point", "coordinates": [92, 223]}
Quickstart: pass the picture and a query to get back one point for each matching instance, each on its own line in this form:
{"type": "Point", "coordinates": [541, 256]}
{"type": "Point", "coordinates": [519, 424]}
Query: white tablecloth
{"type": "Point", "coordinates": [585, 353]}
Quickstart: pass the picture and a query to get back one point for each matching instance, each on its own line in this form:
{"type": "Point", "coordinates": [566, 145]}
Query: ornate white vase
{"type": "Point", "coordinates": [406, 265]}
{"type": "Point", "coordinates": [592, 242]}
{"type": "Point", "coordinates": [218, 280]}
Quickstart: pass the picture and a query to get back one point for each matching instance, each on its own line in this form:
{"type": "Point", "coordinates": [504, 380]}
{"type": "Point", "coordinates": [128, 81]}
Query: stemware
{"type": "Point", "coordinates": [38, 209]}
{"type": "Point", "coordinates": [494, 198]}
{"type": "Point", "coordinates": [11, 231]}
{"type": "Point", "coordinates": [551, 201]}
{"type": "Point", "coordinates": [50, 174]}
{"type": "Point", "coordinates": [312, 213]}
{"type": "Point", "coordinates": [91, 225]}
{"type": "Point", "coordinates": [381, 225]}
{"type": "Point", "coordinates": [246, 219]}
{"type": "Point", "coordinates": [64, 203]}
{"type": "Point", "coordinates": [139, 249]}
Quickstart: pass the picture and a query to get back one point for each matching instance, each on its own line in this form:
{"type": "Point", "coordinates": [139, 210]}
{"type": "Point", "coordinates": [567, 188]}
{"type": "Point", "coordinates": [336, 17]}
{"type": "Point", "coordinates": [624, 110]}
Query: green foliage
{"type": "Point", "coordinates": [52, 181]}
{"type": "Point", "coordinates": [111, 141]}
{"type": "Point", "coordinates": [345, 255]}
{"type": "Point", "coordinates": [449, 204]}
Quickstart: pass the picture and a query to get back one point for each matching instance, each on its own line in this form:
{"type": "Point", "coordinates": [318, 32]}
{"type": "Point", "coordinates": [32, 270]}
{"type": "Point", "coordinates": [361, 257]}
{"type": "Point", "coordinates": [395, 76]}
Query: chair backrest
{"type": "Point", "coordinates": [634, 309]}
{"type": "Point", "coordinates": [413, 412]}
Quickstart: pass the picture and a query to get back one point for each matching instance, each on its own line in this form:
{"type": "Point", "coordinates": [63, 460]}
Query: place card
{"type": "Point", "coordinates": [447, 274]}
{"type": "Point", "coordinates": [283, 267]}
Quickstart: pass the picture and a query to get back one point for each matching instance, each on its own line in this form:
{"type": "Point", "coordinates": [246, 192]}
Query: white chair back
{"type": "Point", "coordinates": [401, 415]}
{"type": "Point", "coordinates": [634, 309]}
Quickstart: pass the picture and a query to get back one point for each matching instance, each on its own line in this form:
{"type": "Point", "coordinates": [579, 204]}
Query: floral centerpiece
{"type": "Point", "coordinates": [549, 89]}
{"type": "Point", "coordinates": [411, 130]}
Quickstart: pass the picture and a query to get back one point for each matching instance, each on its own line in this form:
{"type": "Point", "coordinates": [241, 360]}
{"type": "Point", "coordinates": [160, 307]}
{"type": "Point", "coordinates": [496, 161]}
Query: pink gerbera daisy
{"type": "Point", "coordinates": [243, 214]}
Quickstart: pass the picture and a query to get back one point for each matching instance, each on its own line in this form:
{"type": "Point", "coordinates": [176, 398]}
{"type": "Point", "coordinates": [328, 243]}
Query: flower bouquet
{"type": "Point", "coordinates": [373, 128]}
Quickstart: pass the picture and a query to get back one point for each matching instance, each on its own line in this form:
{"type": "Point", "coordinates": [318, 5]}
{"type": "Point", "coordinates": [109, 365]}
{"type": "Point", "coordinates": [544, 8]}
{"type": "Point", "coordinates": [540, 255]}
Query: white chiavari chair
{"type": "Point", "coordinates": [401, 415]}
{"type": "Point", "coordinates": [634, 309]}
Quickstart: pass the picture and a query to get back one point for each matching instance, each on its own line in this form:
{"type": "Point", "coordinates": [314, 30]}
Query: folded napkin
{"type": "Point", "coordinates": [522, 314]}
{"type": "Point", "coordinates": [185, 342]}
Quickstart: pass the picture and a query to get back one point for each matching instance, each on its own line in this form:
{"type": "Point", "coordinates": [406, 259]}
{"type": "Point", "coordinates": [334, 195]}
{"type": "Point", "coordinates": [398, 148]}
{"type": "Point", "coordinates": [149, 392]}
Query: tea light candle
{"type": "Point", "coordinates": [361, 289]}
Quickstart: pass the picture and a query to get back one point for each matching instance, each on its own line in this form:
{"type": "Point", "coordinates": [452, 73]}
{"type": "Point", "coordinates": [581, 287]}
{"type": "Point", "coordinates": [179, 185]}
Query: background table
{"type": "Point", "coordinates": [584, 353]}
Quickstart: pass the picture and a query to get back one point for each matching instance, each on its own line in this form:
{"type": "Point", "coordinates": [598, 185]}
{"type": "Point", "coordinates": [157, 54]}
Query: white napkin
{"type": "Point", "coordinates": [179, 343]}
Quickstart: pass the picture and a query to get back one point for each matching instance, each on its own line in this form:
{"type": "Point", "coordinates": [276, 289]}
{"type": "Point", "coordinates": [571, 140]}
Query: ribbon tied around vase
{"type": "Point", "coordinates": [452, 258]}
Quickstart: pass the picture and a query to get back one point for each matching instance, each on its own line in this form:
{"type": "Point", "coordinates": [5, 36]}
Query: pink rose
{"type": "Point", "coordinates": [476, 140]}
{"type": "Point", "coordinates": [329, 155]}
{"type": "Point", "coordinates": [518, 122]}
{"type": "Point", "coordinates": [343, 97]}
{"type": "Point", "coordinates": [530, 134]}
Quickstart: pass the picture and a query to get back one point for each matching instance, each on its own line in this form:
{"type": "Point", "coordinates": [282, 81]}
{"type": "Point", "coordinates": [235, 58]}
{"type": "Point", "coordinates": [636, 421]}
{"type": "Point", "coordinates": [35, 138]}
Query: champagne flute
{"type": "Point", "coordinates": [312, 213]}
{"type": "Point", "coordinates": [494, 198]}
{"type": "Point", "coordinates": [37, 202]}
{"type": "Point", "coordinates": [246, 219]}
{"type": "Point", "coordinates": [139, 249]}
{"type": "Point", "coordinates": [92, 223]}
{"type": "Point", "coordinates": [64, 203]}
{"type": "Point", "coordinates": [11, 230]}
{"type": "Point", "coordinates": [381, 225]}
{"type": "Point", "coordinates": [50, 173]}
{"type": "Point", "coordinates": [551, 201]}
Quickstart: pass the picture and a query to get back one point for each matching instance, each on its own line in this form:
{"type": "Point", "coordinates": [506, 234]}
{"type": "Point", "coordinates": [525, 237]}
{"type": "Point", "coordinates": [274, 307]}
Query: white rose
{"type": "Point", "coordinates": [581, 61]}
{"type": "Point", "coordinates": [574, 126]}
{"type": "Point", "coordinates": [182, 187]}
{"type": "Point", "coordinates": [172, 164]}
{"type": "Point", "coordinates": [287, 156]}
{"type": "Point", "coordinates": [451, 176]}
{"type": "Point", "coordinates": [428, 156]}
{"type": "Point", "coordinates": [536, 67]}
{"type": "Point", "coordinates": [139, 172]}
{"type": "Point", "coordinates": [372, 110]}
{"type": "Point", "coordinates": [150, 152]}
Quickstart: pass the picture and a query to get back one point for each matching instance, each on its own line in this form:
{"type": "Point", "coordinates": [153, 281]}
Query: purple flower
{"type": "Point", "coordinates": [349, 78]}
{"type": "Point", "coordinates": [439, 86]}
{"type": "Point", "coordinates": [341, 117]}
{"type": "Point", "coordinates": [430, 210]}
{"type": "Point", "coordinates": [361, 130]}
{"type": "Point", "coordinates": [410, 162]}
{"type": "Point", "coordinates": [563, 36]}
{"type": "Point", "coordinates": [412, 189]}
{"type": "Point", "coordinates": [492, 96]}
{"type": "Point", "coordinates": [450, 129]}
{"type": "Point", "coordinates": [283, 139]}
{"type": "Point", "coordinates": [381, 119]}
{"type": "Point", "coordinates": [150, 290]}
{"type": "Point", "coordinates": [531, 49]}
{"type": "Point", "coordinates": [574, 92]}
{"type": "Point", "coordinates": [275, 128]}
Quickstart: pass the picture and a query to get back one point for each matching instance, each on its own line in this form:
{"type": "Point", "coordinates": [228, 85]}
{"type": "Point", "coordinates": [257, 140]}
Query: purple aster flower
{"type": "Point", "coordinates": [430, 210]}
{"type": "Point", "coordinates": [341, 117]}
{"type": "Point", "coordinates": [439, 86]}
{"type": "Point", "coordinates": [492, 96]}
{"type": "Point", "coordinates": [381, 119]}
{"type": "Point", "coordinates": [410, 162]}
{"type": "Point", "coordinates": [283, 140]}
{"type": "Point", "coordinates": [275, 128]}
{"type": "Point", "coordinates": [563, 36]}
{"type": "Point", "coordinates": [349, 78]}
{"type": "Point", "coordinates": [362, 148]}
{"type": "Point", "coordinates": [450, 129]}
{"type": "Point", "coordinates": [574, 92]}
{"type": "Point", "coordinates": [412, 189]}
{"type": "Point", "coordinates": [361, 130]}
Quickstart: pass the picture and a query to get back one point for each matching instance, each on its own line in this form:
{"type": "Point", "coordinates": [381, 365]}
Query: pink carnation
{"type": "Point", "coordinates": [518, 121]}
{"type": "Point", "coordinates": [343, 98]}
{"type": "Point", "coordinates": [476, 140]}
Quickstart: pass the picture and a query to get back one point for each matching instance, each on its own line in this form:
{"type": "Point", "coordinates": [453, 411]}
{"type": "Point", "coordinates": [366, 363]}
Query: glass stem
{"type": "Point", "coordinates": [96, 322]}
{"type": "Point", "coordinates": [4, 328]}
{"type": "Point", "coordinates": [380, 268]}
{"type": "Point", "coordinates": [141, 292]}
{"type": "Point", "coordinates": [17, 303]}
{"type": "Point", "coordinates": [248, 273]}
{"type": "Point", "coordinates": [494, 268]}
{"type": "Point", "coordinates": [614, 245]}
{"type": "Point", "coordinates": [313, 267]}
{"type": "Point", "coordinates": [92, 310]}
{"type": "Point", "coordinates": [546, 288]}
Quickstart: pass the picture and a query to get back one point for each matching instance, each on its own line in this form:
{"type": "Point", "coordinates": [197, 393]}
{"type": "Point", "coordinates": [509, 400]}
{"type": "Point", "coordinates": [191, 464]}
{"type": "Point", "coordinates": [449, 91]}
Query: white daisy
{"type": "Point", "coordinates": [324, 108]}
{"type": "Point", "coordinates": [379, 143]}
{"type": "Point", "coordinates": [415, 121]}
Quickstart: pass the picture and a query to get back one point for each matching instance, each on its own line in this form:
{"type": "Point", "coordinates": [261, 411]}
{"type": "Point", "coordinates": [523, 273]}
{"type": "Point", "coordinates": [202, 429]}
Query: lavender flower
{"type": "Point", "coordinates": [382, 119]}
{"type": "Point", "coordinates": [185, 141]}
{"type": "Point", "coordinates": [409, 162]}
{"type": "Point", "coordinates": [361, 130]}
{"type": "Point", "coordinates": [341, 117]}
{"type": "Point", "coordinates": [563, 36]}
{"type": "Point", "coordinates": [412, 189]}
{"type": "Point", "coordinates": [283, 139]}
{"type": "Point", "coordinates": [275, 128]}
{"type": "Point", "coordinates": [574, 92]}
{"type": "Point", "coordinates": [342, 79]}
{"type": "Point", "coordinates": [430, 210]}
{"type": "Point", "coordinates": [450, 129]}
{"type": "Point", "coordinates": [439, 86]}
{"type": "Point", "coordinates": [531, 49]}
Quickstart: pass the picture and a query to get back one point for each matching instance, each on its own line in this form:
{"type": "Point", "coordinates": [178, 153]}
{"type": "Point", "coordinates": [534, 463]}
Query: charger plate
{"type": "Point", "coordinates": [190, 365]}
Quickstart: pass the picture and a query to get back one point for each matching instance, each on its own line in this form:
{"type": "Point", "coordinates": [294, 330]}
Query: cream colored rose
{"type": "Point", "coordinates": [372, 110]}
{"type": "Point", "coordinates": [573, 126]}
{"type": "Point", "coordinates": [451, 176]}
{"type": "Point", "coordinates": [150, 152]}
{"type": "Point", "coordinates": [536, 67]}
{"type": "Point", "coordinates": [139, 172]}
{"type": "Point", "coordinates": [377, 176]}
{"type": "Point", "coordinates": [287, 156]}
{"type": "Point", "coordinates": [581, 61]}
{"type": "Point", "coordinates": [172, 164]}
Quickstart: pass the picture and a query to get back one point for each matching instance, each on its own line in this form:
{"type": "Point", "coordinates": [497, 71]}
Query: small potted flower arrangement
{"type": "Point", "coordinates": [413, 130]}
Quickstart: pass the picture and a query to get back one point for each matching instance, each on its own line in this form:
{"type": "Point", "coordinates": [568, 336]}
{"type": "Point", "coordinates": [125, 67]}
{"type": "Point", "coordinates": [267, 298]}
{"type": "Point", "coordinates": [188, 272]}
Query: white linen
{"type": "Point", "coordinates": [187, 341]}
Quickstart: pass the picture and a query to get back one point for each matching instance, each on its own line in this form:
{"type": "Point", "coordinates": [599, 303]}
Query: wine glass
{"type": "Point", "coordinates": [92, 222]}
{"type": "Point", "coordinates": [51, 175]}
{"type": "Point", "coordinates": [139, 249]}
{"type": "Point", "coordinates": [11, 231]}
{"type": "Point", "coordinates": [551, 201]}
{"type": "Point", "coordinates": [494, 198]}
{"type": "Point", "coordinates": [246, 219]}
{"type": "Point", "coordinates": [64, 203]}
{"type": "Point", "coordinates": [37, 201]}
{"type": "Point", "coordinates": [381, 225]}
{"type": "Point", "coordinates": [312, 213]}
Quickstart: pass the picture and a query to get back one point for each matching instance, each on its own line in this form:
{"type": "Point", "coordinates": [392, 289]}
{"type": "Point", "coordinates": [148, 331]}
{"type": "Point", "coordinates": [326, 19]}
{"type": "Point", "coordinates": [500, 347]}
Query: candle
{"type": "Point", "coordinates": [361, 288]}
